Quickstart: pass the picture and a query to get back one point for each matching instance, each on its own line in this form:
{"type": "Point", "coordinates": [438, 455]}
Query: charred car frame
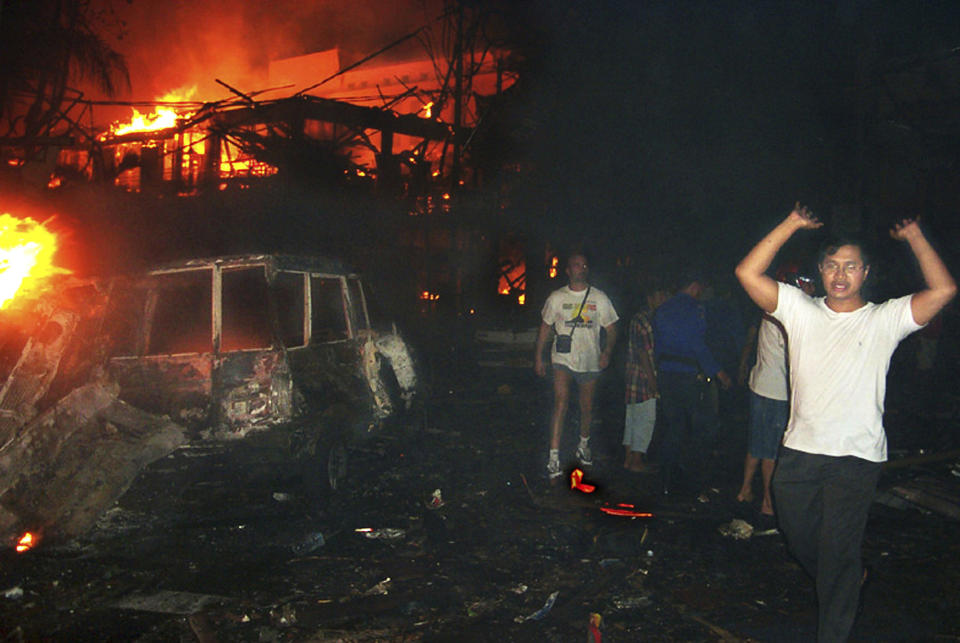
{"type": "Point", "coordinates": [266, 350]}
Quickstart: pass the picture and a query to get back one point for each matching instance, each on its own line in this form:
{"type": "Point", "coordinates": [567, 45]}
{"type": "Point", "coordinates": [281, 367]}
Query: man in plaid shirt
{"type": "Point", "coordinates": [641, 383]}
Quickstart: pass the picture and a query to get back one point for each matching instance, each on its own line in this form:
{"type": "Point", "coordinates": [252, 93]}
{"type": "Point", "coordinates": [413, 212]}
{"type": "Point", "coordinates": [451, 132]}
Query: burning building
{"type": "Point", "coordinates": [397, 123]}
{"type": "Point", "coordinates": [399, 126]}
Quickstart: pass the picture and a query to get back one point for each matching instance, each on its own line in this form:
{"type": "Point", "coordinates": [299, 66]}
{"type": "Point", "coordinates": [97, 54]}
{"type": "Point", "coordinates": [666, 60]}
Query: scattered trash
{"type": "Point", "coordinates": [478, 609]}
{"type": "Point", "coordinates": [703, 498]}
{"type": "Point", "coordinates": [630, 602]}
{"type": "Point", "coordinates": [772, 531]}
{"type": "Point", "coordinates": [519, 589]}
{"type": "Point", "coordinates": [380, 589]}
{"type": "Point", "coordinates": [14, 593]}
{"type": "Point", "coordinates": [386, 533]}
{"type": "Point", "coordinates": [737, 528]}
{"type": "Point", "coordinates": [593, 630]}
{"type": "Point", "coordinates": [504, 389]}
{"type": "Point", "coordinates": [286, 615]}
{"type": "Point", "coordinates": [540, 613]}
{"type": "Point", "coordinates": [281, 497]}
{"type": "Point", "coordinates": [310, 543]}
{"type": "Point", "coordinates": [436, 500]}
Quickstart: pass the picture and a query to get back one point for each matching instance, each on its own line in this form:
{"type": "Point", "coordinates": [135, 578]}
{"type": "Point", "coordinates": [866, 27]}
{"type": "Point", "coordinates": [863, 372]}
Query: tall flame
{"type": "Point", "coordinates": [26, 252]}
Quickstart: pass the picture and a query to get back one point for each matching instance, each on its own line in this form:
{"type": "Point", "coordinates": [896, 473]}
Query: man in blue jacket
{"type": "Point", "coordinates": [685, 367]}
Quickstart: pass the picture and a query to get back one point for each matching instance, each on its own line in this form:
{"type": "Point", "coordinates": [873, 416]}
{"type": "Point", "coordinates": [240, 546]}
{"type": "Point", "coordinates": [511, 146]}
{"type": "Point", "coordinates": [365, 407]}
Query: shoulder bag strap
{"type": "Point", "coordinates": [580, 312]}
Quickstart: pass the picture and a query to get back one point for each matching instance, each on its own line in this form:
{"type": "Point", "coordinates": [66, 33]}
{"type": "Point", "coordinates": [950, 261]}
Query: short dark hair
{"type": "Point", "coordinates": [830, 247]}
{"type": "Point", "coordinates": [691, 274]}
{"type": "Point", "coordinates": [577, 252]}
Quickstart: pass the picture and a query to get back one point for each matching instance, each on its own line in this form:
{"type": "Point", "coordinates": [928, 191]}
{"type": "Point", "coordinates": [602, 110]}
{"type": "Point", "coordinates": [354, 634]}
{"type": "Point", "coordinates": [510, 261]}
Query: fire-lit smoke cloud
{"type": "Point", "coordinates": [185, 43]}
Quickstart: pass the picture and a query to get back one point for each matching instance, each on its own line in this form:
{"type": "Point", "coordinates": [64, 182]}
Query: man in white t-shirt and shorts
{"type": "Point", "coordinates": [834, 445]}
{"type": "Point", "coordinates": [769, 402]}
{"type": "Point", "coordinates": [577, 311]}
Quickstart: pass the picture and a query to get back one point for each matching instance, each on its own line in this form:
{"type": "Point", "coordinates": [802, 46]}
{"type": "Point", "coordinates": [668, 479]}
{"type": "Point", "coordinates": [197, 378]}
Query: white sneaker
{"type": "Point", "coordinates": [553, 469]}
{"type": "Point", "coordinates": [584, 457]}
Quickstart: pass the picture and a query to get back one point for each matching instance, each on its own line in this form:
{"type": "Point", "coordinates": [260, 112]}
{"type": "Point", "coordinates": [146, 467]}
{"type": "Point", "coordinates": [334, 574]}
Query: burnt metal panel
{"type": "Point", "coordinates": [252, 389]}
{"type": "Point", "coordinates": [179, 386]}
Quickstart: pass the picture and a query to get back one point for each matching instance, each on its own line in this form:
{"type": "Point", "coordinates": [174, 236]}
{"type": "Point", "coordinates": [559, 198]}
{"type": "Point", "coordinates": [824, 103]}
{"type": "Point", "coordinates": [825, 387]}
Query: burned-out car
{"type": "Point", "coordinates": [276, 351]}
{"type": "Point", "coordinates": [230, 346]}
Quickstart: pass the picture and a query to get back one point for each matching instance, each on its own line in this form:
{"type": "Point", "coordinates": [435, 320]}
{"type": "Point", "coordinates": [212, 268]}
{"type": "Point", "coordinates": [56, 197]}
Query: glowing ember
{"type": "Point", "coordinates": [427, 110]}
{"type": "Point", "coordinates": [27, 541]}
{"type": "Point", "coordinates": [522, 299]}
{"type": "Point", "coordinates": [552, 272]}
{"type": "Point", "coordinates": [624, 509]}
{"type": "Point", "coordinates": [26, 253]}
{"type": "Point", "coordinates": [576, 482]}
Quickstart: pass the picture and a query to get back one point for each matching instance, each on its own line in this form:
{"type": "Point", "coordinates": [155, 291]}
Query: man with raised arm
{"type": "Point", "coordinates": [834, 444]}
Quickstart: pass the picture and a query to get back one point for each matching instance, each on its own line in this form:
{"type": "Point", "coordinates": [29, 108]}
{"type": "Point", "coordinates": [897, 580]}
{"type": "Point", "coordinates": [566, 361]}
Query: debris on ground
{"type": "Point", "coordinates": [542, 612]}
{"type": "Point", "coordinates": [737, 529]}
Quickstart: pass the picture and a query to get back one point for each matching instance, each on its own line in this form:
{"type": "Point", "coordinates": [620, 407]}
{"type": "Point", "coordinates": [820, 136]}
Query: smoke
{"type": "Point", "coordinates": [182, 44]}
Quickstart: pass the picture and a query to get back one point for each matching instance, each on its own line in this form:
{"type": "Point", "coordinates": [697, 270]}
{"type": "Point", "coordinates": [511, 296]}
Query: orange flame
{"type": "Point", "coordinates": [27, 541]}
{"type": "Point", "coordinates": [576, 482]}
{"type": "Point", "coordinates": [163, 117]}
{"type": "Point", "coordinates": [26, 253]}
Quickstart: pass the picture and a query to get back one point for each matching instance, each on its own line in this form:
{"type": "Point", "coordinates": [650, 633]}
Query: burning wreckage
{"type": "Point", "coordinates": [104, 377]}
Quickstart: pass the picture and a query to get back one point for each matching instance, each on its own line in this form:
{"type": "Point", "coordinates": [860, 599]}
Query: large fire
{"type": "Point", "coordinates": [163, 116]}
{"type": "Point", "coordinates": [26, 253]}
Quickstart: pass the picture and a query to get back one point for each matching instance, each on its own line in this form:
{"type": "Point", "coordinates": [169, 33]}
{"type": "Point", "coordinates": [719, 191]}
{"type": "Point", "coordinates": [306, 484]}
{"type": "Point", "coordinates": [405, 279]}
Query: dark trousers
{"type": "Point", "coordinates": [822, 504]}
{"type": "Point", "coordinates": [688, 431]}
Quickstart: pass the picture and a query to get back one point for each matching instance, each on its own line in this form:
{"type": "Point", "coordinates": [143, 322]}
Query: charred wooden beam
{"type": "Point", "coordinates": [333, 111]}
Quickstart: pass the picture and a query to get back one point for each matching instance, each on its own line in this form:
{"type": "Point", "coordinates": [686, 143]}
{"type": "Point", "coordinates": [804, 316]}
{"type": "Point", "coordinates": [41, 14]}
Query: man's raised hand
{"type": "Point", "coordinates": [905, 228]}
{"type": "Point", "coordinates": [803, 218]}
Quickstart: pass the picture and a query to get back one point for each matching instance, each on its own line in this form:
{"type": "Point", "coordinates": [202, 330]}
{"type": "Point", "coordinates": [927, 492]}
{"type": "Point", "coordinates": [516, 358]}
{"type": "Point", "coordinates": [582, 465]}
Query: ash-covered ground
{"type": "Point", "coordinates": [473, 541]}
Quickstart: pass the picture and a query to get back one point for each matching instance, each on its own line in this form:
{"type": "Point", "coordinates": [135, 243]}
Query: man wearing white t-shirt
{"type": "Point", "coordinates": [576, 312]}
{"type": "Point", "coordinates": [840, 349]}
